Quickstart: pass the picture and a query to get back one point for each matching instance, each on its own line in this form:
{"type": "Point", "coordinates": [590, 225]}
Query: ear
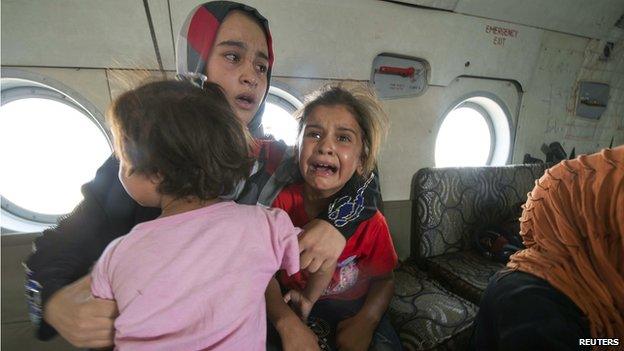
{"type": "Point", "coordinates": [360, 166]}
{"type": "Point", "coordinates": [155, 178]}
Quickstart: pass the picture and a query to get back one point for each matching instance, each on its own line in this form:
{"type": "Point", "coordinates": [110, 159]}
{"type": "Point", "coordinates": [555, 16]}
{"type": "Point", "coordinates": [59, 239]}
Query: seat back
{"type": "Point", "coordinates": [450, 204]}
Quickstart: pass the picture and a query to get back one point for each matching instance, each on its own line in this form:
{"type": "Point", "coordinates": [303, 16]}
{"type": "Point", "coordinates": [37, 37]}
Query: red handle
{"type": "Point", "coordinates": [403, 72]}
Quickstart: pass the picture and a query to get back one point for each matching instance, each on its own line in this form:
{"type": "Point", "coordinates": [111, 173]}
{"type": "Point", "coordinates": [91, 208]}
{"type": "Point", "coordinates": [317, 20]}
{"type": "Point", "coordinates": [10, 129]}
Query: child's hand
{"type": "Point", "coordinates": [299, 303]}
{"type": "Point", "coordinates": [354, 334]}
{"type": "Point", "coordinates": [298, 336]}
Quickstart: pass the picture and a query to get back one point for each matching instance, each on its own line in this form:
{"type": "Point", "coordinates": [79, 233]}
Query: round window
{"type": "Point", "coordinates": [474, 132]}
{"type": "Point", "coordinates": [278, 120]}
{"type": "Point", "coordinates": [51, 147]}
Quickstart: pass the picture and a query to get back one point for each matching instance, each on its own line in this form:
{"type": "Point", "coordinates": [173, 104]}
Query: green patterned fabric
{"type": "Point", "coordinates": [466, 273]}
{"type": "Point", "coordinates": [451, 204]}
{"type": "Point", "coordinates": [426, 316]}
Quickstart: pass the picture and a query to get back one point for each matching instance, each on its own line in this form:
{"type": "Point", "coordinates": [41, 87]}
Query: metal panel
{"type": "Point", "coordinates": [438, 4]}
{"type": "Point", "coordinates": [592, 99]}
{"type": "Point", "coordinates": [398, 77]}
{"type": "Point", "coordinates": [76, 33]}
{"type": "Point", "coordinates": [340, 39]}
{"type": "Point", "coordinates": [593, 19]}
{"type": "Point", "coordinates": [165, 36]}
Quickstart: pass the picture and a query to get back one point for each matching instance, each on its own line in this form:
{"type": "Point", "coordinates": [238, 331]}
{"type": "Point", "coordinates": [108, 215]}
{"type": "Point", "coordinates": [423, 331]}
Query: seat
{"type": "Point", "coordinates": [451, 205]}
{"type": "Point", "coordinates": [425, 315]}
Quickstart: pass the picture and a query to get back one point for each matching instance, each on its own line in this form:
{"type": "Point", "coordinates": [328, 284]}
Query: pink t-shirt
{"type": "Point", "coordinates": [196, 280]}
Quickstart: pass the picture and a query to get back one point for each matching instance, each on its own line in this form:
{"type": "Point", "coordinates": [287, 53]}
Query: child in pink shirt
{"type": "Point", "coordinates": [195, 277]}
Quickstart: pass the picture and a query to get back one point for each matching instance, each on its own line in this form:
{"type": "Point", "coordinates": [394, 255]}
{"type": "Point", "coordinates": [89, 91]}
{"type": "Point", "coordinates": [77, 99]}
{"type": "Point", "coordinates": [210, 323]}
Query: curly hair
{"type": "Point", "coordinates": [362, 102]}
{"type": "Point", "coordinates": [188, 136]}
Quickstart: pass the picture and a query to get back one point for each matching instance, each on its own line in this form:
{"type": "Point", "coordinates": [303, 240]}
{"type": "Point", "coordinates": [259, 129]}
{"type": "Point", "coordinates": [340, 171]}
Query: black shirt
{"type": "Point", "coordinates": [520, 311]}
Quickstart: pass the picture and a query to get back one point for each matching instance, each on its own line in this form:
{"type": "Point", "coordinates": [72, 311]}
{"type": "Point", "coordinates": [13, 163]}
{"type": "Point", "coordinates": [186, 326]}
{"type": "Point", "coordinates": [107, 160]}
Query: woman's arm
{"type": "Point", "coordinates": [81, 319]}
{"type": "Point", "coordinates": [65, 253]}
{"type": "Point", "coordinates": [356, 333]}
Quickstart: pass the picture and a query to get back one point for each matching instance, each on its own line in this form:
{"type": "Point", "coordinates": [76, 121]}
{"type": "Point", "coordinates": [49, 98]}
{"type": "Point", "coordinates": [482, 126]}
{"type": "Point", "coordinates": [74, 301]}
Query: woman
{"type": "Point", "coordinates": [568, 284]}
{"type": "Point", "coordinates": [223, 42]}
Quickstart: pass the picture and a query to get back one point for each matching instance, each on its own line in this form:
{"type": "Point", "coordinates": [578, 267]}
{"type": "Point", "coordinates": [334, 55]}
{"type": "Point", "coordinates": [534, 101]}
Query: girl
{"type": "Point", "coordinates": [221, 41]}
{"type": "Point", "coordinates": [339, 137]}
{"type": "Point", "coordinates": [193, 278]}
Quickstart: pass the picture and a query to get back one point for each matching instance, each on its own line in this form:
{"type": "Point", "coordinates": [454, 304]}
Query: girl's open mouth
{"type": "Point", "coordinates": [323, 168]}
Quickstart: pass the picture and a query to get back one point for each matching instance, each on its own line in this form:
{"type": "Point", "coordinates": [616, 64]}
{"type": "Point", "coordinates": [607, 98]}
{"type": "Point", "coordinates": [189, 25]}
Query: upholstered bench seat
{"type": "Point", "coordinates": [451, 205]}
{"type": "Point", "coordinates": [427, 316]}
{"type": "Point", "coordinates": [466, 273]}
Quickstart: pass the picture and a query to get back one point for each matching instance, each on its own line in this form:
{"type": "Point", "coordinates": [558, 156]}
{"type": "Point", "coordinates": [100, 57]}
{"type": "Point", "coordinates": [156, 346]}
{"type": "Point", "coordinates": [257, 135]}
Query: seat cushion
{"type": "Point", "coordinates": [466, 273]}
{"type": "Point", "coordinates": [426, 316]}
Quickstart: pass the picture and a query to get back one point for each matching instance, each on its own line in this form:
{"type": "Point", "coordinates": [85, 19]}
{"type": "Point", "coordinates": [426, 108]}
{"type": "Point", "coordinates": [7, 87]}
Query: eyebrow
{"type": "Point", "coordinates": [347, 130]}
{"type": "Point", "coordinates": [243, 46]}
{"type": "Point", "coordinates": [342, 129]}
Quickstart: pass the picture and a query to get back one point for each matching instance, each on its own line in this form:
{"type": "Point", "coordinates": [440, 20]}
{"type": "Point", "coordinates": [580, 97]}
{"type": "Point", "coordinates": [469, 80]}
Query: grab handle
{"type": "Point", "coordinates": [399, 71]}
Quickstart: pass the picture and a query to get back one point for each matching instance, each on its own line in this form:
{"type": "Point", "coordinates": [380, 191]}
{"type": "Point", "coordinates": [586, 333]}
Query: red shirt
{"type": "Point", "coordinates": [369, 252]}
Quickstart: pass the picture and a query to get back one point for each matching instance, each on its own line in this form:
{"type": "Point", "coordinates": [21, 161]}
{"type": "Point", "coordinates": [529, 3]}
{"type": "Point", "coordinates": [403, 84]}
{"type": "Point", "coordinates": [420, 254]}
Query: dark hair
{"type": "Point", "coordinates": [187, 136]}
{"type": "Point", "coordinates": [362, 102]}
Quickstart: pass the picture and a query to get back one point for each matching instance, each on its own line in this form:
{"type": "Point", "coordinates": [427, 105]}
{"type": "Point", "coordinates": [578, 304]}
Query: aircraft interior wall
{"type": "Point", "coordinates": [534, 74]}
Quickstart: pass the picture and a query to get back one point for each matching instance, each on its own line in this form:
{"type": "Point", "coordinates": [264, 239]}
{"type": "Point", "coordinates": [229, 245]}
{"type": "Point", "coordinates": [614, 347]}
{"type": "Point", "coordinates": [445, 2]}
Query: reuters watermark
{"type": "Point", "coordinates": [599, 342]}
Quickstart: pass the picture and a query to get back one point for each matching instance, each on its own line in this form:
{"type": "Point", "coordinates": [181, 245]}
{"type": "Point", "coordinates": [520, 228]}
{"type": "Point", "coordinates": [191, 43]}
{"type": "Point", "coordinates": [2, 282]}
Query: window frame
{"type": "Point", "coordinates": [285, 97]}
{"type": "Point", "coordinates": [17, 85]}
{"type": "Point", "coordinates": [499, 122]}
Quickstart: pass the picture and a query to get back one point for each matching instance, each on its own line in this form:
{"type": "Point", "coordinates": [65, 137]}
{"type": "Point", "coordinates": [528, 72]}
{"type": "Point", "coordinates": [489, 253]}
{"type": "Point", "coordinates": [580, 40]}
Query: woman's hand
{"type": "Point", "coordinates": [297, 336]}
{"type": "Point", "coordinates": [79, 318]}
{"type": "Point", "coordinates": [354, 334]}
{"type": "Point", "coordinates": [320, 245]}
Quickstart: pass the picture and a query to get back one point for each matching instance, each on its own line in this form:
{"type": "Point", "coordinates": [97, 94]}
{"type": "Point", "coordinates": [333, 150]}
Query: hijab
{"type": "Point", "coordinates": [573, 229]}
{"type": "Point", "coordinates": [196, 40]}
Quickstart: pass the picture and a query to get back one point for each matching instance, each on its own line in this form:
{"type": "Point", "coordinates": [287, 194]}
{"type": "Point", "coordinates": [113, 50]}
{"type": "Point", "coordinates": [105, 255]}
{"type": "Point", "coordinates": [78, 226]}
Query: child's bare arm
{"type": "Point", "coordinates": [277, 310]}
{"type": "Point", "coordinates": [318, 281]}
{"type": "Point", "coordinates": [356, 333]}
{"type": "Point", "coordinates": [303, 301]}
{"type": "Point", "coordinates": [294, 334]}
{"type": "Point", "coordinates": [378, 298]}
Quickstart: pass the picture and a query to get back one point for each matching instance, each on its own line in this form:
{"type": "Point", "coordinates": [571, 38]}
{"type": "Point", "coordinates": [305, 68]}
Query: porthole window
{"type": "Point", "coordinates": [51, 146]}
{"type": "Point", "coordinates": [474, 132]}
{"type": "Point", "coordinates": [278, 120]}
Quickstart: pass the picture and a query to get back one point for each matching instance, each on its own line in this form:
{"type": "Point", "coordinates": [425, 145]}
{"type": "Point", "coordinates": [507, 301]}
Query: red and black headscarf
{"type": "Point", "coordinates": [196, 39]}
